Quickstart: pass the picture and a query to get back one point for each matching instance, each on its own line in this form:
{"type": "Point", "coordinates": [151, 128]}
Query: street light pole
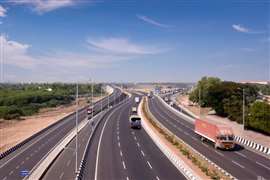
{"type": "Point", "coordinates": [101, 97]}
{"type": "Point", "coordinates": [76, 150]}
{"type": "Point", "coordinates": [200, 102]}
{"type": "Point", "coordinates": [243, 109]}
{"type": "Point", "coordinates": [92, 91]}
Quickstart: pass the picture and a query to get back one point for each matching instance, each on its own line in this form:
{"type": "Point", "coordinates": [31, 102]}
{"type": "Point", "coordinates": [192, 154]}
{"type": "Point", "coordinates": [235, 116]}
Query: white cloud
{"type": "Point", "coordinates": [121, 46]}
{"type": "Point", "coordinates": [15, 53]}
{"type": "Point", "coordinates": [240, 28]}
{"type": "Point", "coordinates": [59, 66]}
{"type": "Point", "coordinates": [3, 11]}
{"type": "Point", "coordinates": [42, 6]}
{"type": "Point", "coordinates": [151, 21]}
{"type": "Point", "coordinates": [243, 29]}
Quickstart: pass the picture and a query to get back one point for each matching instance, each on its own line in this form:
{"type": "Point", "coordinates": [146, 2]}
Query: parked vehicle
{"type": "Point", "coordinates": [135, 121]}
{"type": "Point", "coordinates": [221, 135]}
{"type": "Point", "coordinates": [137, 99]}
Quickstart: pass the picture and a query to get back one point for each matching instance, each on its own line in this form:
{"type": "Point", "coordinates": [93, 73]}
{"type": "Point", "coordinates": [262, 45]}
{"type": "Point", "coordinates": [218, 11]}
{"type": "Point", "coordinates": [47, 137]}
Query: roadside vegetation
{"type": "Point", "coordinates": [226, 98]}
{"type": "Point", "coordinates": [207, 168]}
{"type": "Point", "coordinates": [17, 100]}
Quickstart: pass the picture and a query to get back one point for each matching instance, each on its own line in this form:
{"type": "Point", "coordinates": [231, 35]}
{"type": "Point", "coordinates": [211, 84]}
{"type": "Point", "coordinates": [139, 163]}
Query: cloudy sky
{"type": "Point", "coordinates": [138, 40]}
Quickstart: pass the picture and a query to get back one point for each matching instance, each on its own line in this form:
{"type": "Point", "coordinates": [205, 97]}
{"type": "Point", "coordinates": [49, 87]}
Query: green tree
{"type": "Point", "coordinates": [259, 117]}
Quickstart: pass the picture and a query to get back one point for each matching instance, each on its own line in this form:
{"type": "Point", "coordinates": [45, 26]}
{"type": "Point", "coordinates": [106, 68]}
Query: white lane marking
{"type": "Point", "coordinates": [68, 163]}
{"type": "Point", "coordinates": [101, 135]}
{"type": "Point", "coordinates": [37, 140]}
{"type": "Point", "coordinates": [31, 154]}
{"type": "Point", "coordinates": [135, 138]}
{"type": "Point", "coordinates": [124, 165]}
{"type": "Point", "coordinates": [263, 165]}
{"type": "Point", "coordinates": [157, 178]}
{"type": "Point", "coordinates": [119, 144]}
{"type": "Point", "coordinates": [138, 144]}
{"type": "Point", "coordinates": [61, 176]}
{"type": "Point", "coordinates": [17, 167]}
{"type": "Point", "coordinates": [127, 178]}
{"type": "Point", "coordinates": [4, 178]}
{"type": "Point", "coordinates": [238, 164]}
{"type": "Point", "coordinates": [219, 153]}
{"type": "Point", "coordinates": [142, 153]}
{"type": "Point", "coordinates": [121, 154]}
{"type": "Point", "coordinates": [22, 162]}
{"type": "Point", "coordinates": [118, 138]}
{"type": "Point", "coordinates": [186, 133]}
{"type": "Point", "coordinates": [149, 164]}
{"type": "Point", "coordinates": [11, 172]}
{"type": "Point", "coordinates": [27, 158]}
{"type": "Point", "coordinates": [240, 154]}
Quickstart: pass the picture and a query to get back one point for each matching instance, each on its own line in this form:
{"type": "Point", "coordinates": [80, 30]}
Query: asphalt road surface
{"type": "Point", "coordinates": [241, 163]}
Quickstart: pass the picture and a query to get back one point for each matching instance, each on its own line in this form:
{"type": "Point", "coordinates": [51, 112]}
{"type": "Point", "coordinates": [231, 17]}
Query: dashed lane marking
{"type": "Point", "coordinates": [124, 165]}
{"type": "Point", "coordinates": [121, 154]}
{"type": "Point", "coordinates": [240, 154]}
{"type": "Point", "coordinates": [142, 153]}
{"type": "Point", "coordinates": [238, 164]}
{"type": "Point", "coordinates": [149, 164]}
{"type": "Point", "coordinates": [61, 175]}
{"type": "Point", "coordinates": [263, 165]}
{"type": "Point", "coordinates": [157, 178]}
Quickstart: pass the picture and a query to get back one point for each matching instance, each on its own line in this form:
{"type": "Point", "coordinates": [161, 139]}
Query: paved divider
{"type": "Point", "coordinates": [241, 140]}
{"type": "Point", "coordinates": [175, 160]}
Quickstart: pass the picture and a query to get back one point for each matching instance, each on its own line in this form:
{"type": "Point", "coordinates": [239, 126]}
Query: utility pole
{"type": "Point", "coordinates": [92, 102]}
{"type": "Point", "coordinates": [243, 109]}
{"type": "Point", "coordinates": [2, 58]}
{"type": "Point", "coordinates": [101, 97]}
{"type": "Point", "coordinates": [200, 102]}
{"type": "Point", "coordinates": [76, 150]}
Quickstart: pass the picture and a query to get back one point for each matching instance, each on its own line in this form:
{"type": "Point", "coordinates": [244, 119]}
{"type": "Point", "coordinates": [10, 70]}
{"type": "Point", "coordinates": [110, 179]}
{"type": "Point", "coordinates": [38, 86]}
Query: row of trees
{"type": "Point", "coordinates": [227, 98]}
{"type": "Point", "coordinates": [18, 100]}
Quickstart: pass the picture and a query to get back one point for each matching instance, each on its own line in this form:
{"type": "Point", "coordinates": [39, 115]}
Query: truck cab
{"type": "Point", "coordinates": [90, 110]}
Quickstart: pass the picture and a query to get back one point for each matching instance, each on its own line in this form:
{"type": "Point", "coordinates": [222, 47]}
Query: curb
{"type": "Point", "coordinates": [175, 160]}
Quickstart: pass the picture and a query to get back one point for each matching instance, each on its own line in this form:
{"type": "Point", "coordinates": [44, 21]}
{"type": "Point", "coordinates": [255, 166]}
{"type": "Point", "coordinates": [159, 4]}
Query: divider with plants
{"type": "Point", "coordinates": [209, 169]}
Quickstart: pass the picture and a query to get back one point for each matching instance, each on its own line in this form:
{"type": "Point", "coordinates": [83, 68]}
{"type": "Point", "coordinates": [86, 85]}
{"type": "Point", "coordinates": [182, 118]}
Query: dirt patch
{"type": "Point", "coordinates": [14, 131]}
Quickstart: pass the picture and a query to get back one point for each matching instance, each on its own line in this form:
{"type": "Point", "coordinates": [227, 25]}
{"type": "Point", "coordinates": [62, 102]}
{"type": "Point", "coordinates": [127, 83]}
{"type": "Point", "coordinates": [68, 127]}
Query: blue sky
{"type": "Point", "coordinates": [179, 41]}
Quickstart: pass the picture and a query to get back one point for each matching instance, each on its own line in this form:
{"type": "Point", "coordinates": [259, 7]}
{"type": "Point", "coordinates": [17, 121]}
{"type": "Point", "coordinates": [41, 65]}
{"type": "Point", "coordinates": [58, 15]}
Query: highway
{"type": "Point", "coordinates": [119, 152]}
{"type": "Point", "coordinates": [31, 153]}
{"type": "Point", "coordinates": [64, 166]}
{"type": "Point", "coordinates": [241, 163]}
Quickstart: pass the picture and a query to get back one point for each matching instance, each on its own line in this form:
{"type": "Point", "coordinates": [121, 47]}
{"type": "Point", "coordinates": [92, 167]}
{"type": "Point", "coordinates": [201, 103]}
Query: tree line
{"type": "Point", "coordinates": [227, 98]}
{"type": "Point", "coordinates": [17, 100]}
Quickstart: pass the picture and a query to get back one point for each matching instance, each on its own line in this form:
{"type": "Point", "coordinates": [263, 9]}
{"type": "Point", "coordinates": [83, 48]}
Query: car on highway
{"type": "Point", "coordinates": [137, 99]}
{"type": "Point", "coordinates": [90, 110]}
{"type": "Point", "coordinates": [134, 109]}
{"type": "Point", "coordinates": [135, 121]}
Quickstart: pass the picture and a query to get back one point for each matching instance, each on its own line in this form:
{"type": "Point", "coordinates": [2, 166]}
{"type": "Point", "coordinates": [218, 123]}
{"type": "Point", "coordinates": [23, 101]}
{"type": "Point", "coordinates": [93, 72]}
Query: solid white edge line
{"type": "Point", "coordinates": [101, 135]}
